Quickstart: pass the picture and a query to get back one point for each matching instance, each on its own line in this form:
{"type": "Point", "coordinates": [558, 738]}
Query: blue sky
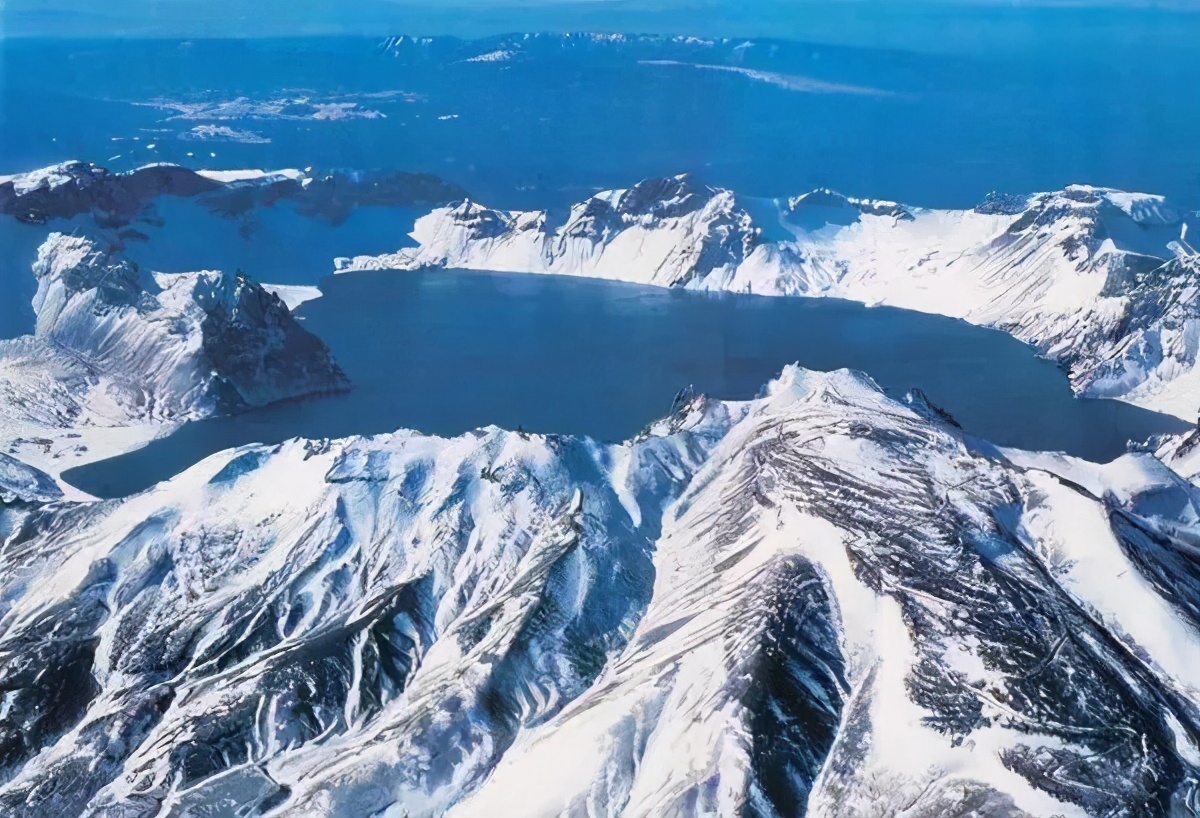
{"type": "Point", "coordinates": [900, 23]}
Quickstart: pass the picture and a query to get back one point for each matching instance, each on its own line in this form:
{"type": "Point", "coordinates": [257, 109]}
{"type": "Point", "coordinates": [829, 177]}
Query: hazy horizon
{"type": "Point", "coordinates": [927, 25]}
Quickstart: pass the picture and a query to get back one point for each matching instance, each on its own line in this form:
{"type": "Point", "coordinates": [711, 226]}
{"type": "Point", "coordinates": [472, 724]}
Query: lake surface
{"type": "Point", "coordinates": [445, 352]}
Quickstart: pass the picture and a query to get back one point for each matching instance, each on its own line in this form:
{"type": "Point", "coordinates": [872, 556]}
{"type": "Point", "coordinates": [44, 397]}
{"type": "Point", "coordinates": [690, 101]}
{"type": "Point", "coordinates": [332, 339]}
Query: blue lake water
{"type": "Point", "coordinates": [445, 352]}
{"type": "Point", "coordinates": [1051, 103]}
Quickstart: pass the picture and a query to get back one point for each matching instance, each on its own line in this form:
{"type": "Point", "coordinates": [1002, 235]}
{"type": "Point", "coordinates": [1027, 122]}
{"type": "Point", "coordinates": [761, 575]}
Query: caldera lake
{"type": "Point", "coordinates": [445, 351]}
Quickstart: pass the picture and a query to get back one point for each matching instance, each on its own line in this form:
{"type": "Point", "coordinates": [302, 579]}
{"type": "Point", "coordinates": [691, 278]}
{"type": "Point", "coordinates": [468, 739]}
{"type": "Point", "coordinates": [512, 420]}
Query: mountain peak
{"type": "Point", "coordinates": [177, 345]}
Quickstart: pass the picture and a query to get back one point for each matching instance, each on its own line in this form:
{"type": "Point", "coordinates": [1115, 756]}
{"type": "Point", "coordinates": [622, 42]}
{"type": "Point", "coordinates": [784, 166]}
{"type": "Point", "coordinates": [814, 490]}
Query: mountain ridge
{"type": "Point", "coordinates": [75, 187]}
{"type": "Point", "coordinates": [430, 626]}
{"type": "Point", "coordinates": [1102, 281]}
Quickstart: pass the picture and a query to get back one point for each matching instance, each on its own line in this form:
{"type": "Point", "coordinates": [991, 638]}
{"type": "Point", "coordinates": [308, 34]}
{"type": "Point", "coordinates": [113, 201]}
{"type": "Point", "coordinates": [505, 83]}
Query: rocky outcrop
{"type": "Point", "coordinates": [117, 199]}
{"type": "Point", "coordinates": [115, 344]}
{"type": "Point", "coordinates": [74, 188]}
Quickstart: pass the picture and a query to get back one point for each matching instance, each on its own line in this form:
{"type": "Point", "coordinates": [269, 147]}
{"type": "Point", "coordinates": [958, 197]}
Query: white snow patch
{"type": "Point", "coordinates": [293, 295]}
{"type": "Point", "coordinates": [790, 82]}
{"type": "Point", "coordinates": [500, 55]}
{"type": "Point", "coordinates": [230, 176]}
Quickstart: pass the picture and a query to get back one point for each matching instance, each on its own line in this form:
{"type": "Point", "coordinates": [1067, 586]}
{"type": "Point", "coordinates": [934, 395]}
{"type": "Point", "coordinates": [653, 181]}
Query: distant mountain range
{"type": "Point", "coordinates": [117, 199]}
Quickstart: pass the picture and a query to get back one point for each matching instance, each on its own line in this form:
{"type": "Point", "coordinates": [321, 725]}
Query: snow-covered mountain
{"type": "Point", "coordinates": [821, 597]}
{"type": "Point", "coordinates": [535, 45]}
{"type": "Point", "coordinates": [1102, 281]}
{"type": "Point", "coordinates": [822, 601]}
{"type": "Point", "coordinates": [1182, 453]}
{"type": "Point", "coordinates": [117, 346]}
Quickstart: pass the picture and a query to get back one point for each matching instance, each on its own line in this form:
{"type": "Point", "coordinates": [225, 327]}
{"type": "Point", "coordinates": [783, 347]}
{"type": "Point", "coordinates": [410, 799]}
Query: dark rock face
{"type": "Point", "coordinates": [797, 695]}
{"type": "Point", "coordinates": [921, 404]}
{"type": "Point", "coordinates": [47, 676]}
{"type": "Point", "coordinates": [259, 352]}
{"type": "Point", "coordinates": [483, 222]}
{"type": "Point", "coordinates": [665, 198]}
{"type": "Point", "coordinates": [1002, 204]}
{"type": "Point", "coordinates": [1057, 670]}
{"type": "Point", "coordinates": [116, 199]}
{"type": "Point", "coordinates": [334, 196]}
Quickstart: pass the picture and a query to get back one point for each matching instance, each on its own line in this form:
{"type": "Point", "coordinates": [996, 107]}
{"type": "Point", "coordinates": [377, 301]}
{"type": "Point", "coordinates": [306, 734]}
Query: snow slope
{"type": "Point", "coordinates": [293, 295]}
{"type": "Point", "coordinates": [821, 597]}
{"type": "Point", "coordinates": [22, 484]}
{"type": "Point", "coordinates": [1182, 453]}
{"type": "Point", "coordinates": [1102, 281]}
{"type": "Point", "coordinates": [117, 346]}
